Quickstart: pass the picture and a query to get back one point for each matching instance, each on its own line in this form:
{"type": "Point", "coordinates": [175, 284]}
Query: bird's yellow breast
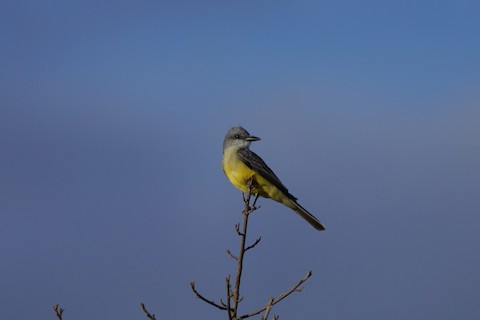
{"type": "Point", "coordinates": [238, 173]}
{"type": "Point", "coordinates": [235, 170]}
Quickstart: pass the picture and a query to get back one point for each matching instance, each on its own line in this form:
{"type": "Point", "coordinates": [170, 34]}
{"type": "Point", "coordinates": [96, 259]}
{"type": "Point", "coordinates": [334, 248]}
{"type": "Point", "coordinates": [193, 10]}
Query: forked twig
{"type": "Point", "coordinates": [268, 308]}
{"type": "Point", "coordinates": [58, 311]}
{"type": "Point", "coordinates": [293, 289]}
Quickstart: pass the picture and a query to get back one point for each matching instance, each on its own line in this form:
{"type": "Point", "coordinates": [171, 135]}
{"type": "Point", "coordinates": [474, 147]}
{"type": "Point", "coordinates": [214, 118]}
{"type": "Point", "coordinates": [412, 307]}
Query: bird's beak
{"type": "Point", "coordinates": [252, 138]}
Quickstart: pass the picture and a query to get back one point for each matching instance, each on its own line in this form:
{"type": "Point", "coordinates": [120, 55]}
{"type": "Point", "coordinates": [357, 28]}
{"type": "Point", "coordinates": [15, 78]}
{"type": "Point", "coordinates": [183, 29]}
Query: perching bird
{"type": "Point", "coordinates": [240, 163]}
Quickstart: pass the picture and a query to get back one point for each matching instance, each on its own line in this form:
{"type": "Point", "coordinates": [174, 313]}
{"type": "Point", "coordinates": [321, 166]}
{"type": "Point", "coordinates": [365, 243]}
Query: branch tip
{"type": "Point", "coordinates": [253, 244]}
{"type": "Point", "coordinates": [201, 297]}
{"type": "Point", "coordinates": [58, 311]}
{"type": "Point", "coordinates": [149, 316]}
{"type": "Point", "coordinates": [232, 255]}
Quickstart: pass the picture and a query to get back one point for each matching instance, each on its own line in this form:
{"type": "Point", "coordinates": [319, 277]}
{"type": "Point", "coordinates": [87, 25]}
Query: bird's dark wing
{"type": "Point", "coordinates": [254, 162]}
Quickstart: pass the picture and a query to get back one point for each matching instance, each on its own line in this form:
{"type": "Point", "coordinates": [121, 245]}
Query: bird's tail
{"type": "Point", "coordinates": [302, 212]}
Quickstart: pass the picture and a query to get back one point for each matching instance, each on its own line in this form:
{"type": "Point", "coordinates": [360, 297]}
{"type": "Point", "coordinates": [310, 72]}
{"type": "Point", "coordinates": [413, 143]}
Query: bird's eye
{"type": "Point", "coordinates": [237, 136]}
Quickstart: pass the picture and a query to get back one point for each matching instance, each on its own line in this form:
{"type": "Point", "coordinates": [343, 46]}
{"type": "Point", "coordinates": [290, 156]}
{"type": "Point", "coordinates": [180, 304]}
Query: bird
{"type": "Point", "coordinates": [240, 164]}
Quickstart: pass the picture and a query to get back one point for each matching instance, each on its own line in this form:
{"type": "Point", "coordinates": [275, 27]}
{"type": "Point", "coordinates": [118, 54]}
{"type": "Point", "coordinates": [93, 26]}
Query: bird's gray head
{"type": "Point", "coordinates": [238, 137]}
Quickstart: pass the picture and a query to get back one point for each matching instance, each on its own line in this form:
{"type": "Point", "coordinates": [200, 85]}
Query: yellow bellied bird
{"type": "Point", "coordinates": [240, 164]}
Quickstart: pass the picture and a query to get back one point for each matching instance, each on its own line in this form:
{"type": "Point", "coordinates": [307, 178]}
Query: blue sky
{"type": "Point", "coordinates": [112, 118]}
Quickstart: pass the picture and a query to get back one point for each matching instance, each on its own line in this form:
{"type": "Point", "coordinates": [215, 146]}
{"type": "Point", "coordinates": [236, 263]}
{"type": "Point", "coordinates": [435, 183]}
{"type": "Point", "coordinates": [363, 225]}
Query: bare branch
{"type": "Point", "coordinates": [254, 208]}
{"type": "Point", "coordinates": [233, 296]}
{"type": "Point", "coordinates": [237, 228]}
{"type": "Point", "coordinates": [255, 201]}
{"type": "Point", "coordinates": [243, 235]}
{"type": "Point", "coordinates": [293, 289]}
{"type": "Point", "coordinates": [229, 297]}
{"type": "Point", "coordinates": [149, 316]}
{"type": "Point", "coordinates": [232, 255]}
{"type": "Point", "coordinates": [253, 244]}
{"type": "Point", "coordinates": [58, 311]}
{"type": "Point", "coordinates": [211, 302]}
{"type": "Point", "coordinates": [267, 310]}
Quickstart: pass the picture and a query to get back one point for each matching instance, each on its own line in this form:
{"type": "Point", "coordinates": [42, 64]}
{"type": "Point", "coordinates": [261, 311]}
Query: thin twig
{"type": "Point", "coordinates": [58, 311]}
{"type": "Point", "coordinates": [255, 201]}
{"type": "Point", "coordinates": [293, 289]}
{"type": "Point", "coordinates": [237, 228]}
{"type": "Point", "coordinates": [149, 316]}
{"type": "Point", "coordinates": [253, 244]}
{"type": "Point", "coordinates": [267, 311]}
{"type": "Point", "coordinates": [213, 303]}
{"type": "Point", "coordinates": [234, 257]}
{"type": "Point", "coordinates": [229, 297]}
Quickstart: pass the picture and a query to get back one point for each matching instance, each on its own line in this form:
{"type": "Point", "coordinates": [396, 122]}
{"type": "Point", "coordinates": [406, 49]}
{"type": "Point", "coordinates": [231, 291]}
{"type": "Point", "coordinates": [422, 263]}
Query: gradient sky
{"type": "Point", "coordinates": [112, 118]}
